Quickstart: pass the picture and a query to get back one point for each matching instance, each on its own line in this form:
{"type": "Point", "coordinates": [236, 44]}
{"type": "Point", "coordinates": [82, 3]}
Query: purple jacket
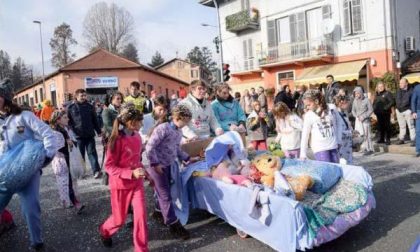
{"type": "Point", "coordinates": [163, 146]}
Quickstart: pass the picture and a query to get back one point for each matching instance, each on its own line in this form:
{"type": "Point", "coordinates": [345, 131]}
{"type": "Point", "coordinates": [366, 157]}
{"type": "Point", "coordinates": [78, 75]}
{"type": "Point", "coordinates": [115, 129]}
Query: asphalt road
{"type": "Point", "coordinates": [392, 226]}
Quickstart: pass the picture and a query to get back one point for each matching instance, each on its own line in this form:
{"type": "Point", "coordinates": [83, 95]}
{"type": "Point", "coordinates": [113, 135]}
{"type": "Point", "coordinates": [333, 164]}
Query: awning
{"type": "Point", "coordinates": [413, 77]}
{"type": "Point", "coordinates": [346, 71]}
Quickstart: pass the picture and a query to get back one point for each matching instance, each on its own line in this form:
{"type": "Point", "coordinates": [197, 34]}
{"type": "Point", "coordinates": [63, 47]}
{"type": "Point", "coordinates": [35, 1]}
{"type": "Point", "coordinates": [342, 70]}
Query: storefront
{"type": "Point", "coordinates": [99, 73]}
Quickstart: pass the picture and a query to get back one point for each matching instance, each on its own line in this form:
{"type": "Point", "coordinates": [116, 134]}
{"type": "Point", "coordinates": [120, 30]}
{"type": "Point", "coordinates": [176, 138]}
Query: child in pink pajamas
{"type": "Point", "coordinates": [126, 175]}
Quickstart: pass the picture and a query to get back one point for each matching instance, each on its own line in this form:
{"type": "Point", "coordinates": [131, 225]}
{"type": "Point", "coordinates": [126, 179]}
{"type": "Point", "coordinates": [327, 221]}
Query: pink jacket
{"type": "Point", "coordinates": [122, 160]}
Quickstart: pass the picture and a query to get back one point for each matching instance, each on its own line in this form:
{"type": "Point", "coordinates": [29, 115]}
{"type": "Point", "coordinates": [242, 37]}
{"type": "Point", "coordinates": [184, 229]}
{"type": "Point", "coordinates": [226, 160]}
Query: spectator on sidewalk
{"type": "Point", "coordinates": [227, 110]}
{"type": "Point", "coordinates": [148, 106]}
{"type": "Point", "coordinates": [246, 102]}
{"type": "Point", "coordinates": [382, 105]}
{"type": "Point", "coordinates": [262, 99]}
{"type": "Point", "coordinates": [84, 123]}
{"type": "Point", "coordinates": [46, 111]}
{"type": "Point", "coordinates": [415, 108]}
{"type": "Point", "coordinates": [253, 94]}
{"type": "Point", "coordinates": [111, 112]}
{"type": "Point", "coordinates": [332, 89]}
{"type": "Point", "coordinates": [298, 96]}
{"type": "Point", "coordinates": [203, 120]}
{"type": "Point", "coordinates": [135, 97]}
{"type": "Point", "coordinates": [257, 124]}
{"type": "Point", "coordinates": [362, 110]}
{"type": "Point", "coordinates": [285, 96]}
{"type": "Point", "coordinates": [345, 149]}
{"type": "Point", "coordinates": [404, 117]}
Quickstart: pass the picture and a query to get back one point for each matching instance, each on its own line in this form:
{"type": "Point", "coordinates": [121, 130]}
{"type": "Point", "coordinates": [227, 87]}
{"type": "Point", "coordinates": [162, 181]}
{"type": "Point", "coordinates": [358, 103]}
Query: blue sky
{"type": "Point", "coordinates": [164, 25]}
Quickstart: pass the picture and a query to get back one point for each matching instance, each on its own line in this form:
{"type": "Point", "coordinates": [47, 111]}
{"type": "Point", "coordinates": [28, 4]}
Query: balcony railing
{"type": "Point", "coordinates": [243, 20]}
{"type": "Point", "coordinates": [314, 48]}
{"type": "Point", "coordinates": [243, 65]}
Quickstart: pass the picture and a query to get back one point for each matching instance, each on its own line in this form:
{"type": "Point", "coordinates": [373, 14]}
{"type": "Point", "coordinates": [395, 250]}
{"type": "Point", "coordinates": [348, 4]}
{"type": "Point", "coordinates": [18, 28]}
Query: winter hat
{"type": "Point", "coordinates": [358, 90]}
{"type": "Point", "coordinates": [6, 89]}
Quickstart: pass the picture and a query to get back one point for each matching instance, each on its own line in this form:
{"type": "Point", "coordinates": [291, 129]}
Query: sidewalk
{"type": "Point", "coordinates": [405, 149]}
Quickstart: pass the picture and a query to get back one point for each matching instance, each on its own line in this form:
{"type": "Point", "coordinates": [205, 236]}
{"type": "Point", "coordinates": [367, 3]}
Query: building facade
{"type": "Point", "coordinates": [184, 70]}
{"type": "Point", "coordinates": [271, 43]}
{"type": "Point", "coordinates": [99, 73]}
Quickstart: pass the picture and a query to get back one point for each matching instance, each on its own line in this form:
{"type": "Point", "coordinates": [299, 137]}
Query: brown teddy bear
{"type": "Point", "coordinates": [263, 168]}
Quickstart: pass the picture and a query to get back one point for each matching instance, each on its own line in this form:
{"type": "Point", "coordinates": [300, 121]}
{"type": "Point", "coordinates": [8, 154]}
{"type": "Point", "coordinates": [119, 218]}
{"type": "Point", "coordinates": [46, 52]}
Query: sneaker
{"type": "Point", "coordinates": [367, 153]}
{"type": "Point", "coordinates": [179, 231]}
{"type": "Point", "coordinates": [388, 142]}
{"type": "Point", "coordinates": [380, 142]}
{"type": "Point", "coordinates": [157, 216]}
{"type": "Point", "coordinates": [400, 142]}
{"type": "Point", "coordinates": [413, 143]}
{"type": "Point", "coordinates": [36, 247]}
{"type": "Point", "coordinates": [80, 209]}
{"type": "Point", "coordinates": [107, 242]}
{"type": "Point", "coordinates": [97, 175]}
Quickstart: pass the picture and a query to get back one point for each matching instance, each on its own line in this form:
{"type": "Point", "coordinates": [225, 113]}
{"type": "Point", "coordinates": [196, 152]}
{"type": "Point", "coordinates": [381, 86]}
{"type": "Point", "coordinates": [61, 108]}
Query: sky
{"type": "Point", "coordinates": [167, 26]}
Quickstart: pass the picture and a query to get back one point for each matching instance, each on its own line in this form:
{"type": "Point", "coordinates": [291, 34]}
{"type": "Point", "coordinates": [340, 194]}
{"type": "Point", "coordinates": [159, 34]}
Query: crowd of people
{"type": "Point", "coordinates": [142, 139]}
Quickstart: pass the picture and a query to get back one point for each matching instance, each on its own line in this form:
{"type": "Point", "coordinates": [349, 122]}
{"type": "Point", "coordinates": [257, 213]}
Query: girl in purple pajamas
{"type": "Point", "coordinates": [162, 150]}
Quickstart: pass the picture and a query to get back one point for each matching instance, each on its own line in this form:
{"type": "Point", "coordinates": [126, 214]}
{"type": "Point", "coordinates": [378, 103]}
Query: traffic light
{"type": "Point", "coordinates": [226, 72]}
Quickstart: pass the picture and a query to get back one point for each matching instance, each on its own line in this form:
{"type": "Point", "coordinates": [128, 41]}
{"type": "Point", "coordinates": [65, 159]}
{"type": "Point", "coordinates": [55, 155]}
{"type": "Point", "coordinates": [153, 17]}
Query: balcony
{"type": "Point", "coordinates": [244, 66]}
{"type": "Point", "coordinates": [320, 48]}
{"type": "Point", "coordinates": [243, 20]}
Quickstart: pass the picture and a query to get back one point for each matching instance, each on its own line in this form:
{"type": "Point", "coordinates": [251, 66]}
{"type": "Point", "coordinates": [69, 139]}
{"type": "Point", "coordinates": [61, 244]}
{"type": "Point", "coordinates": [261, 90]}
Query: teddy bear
{"type": "Point", "coordinates": [263, 171]}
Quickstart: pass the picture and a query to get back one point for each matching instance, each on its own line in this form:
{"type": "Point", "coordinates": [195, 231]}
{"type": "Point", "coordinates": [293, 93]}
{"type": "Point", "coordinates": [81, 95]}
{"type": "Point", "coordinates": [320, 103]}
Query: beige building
{"type": "Point", "coordinates": [184, 70]}
{"type": "Point", "coordinates": [99, 73]}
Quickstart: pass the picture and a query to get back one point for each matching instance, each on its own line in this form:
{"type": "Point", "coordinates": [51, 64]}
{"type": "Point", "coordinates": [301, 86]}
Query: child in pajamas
{"type": "Point", "coordinates": [126, 173]}
{"type": "Point", "coordinates": [162, 150]}
{"type": "Point", "coordinates": [61, 164]}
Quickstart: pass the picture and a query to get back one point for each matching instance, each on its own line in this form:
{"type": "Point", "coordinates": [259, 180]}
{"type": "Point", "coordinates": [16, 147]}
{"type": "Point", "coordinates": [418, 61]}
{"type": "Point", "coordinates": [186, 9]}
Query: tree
{"type": "Point", "coordinates": [21, 75]}
{"type": "Point", "coordinates": [60, 46]}
{"type": "Point", "coordinates": [202, 57]}
{"type": "Point", "coordinates": [108, 26]}
{"type": "Point", "coordinates": [5, 65]}
{"type": "Point", "coordinates": [130, 52]}
{"type": "Point", "coordinates": [156, 60]}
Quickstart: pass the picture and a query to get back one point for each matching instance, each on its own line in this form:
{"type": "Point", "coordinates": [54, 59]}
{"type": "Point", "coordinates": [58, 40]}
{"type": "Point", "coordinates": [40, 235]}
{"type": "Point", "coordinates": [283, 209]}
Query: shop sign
{"type": "Point", "coordinates": [101, 82]}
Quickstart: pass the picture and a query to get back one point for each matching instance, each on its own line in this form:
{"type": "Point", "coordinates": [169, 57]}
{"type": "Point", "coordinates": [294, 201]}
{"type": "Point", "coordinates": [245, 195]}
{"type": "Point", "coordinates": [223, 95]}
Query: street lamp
{"type": "Point", "coordinates": [204, 24]}
{"type": "Point", "coordinates": [42, 57]}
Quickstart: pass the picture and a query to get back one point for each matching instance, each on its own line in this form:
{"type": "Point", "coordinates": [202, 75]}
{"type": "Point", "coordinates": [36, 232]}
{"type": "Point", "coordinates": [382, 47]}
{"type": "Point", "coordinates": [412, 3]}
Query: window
{"type": "Point", "coordinates": [283, 30]}
{"type": "Point", "coordinates": [149, 89]}
{"type": "Point", "coordinates": [32, 101]}
{"type": "Point", "coordinates": [194, 73]}
{"type": "Point", "coordinates": [286, 75]}
{"type": "Point", "coordinates": [353, 21]}
{"type": "Point", "coordinates": [27, 98]}
{"type": "Point", "coordinates": [36, 96]}
{"type": "Point", "coordinates": [41, 94]}
{"type": "Point", "coordinates": [248, 54]}
{"type": "Point", "coordinates": [180, 64]}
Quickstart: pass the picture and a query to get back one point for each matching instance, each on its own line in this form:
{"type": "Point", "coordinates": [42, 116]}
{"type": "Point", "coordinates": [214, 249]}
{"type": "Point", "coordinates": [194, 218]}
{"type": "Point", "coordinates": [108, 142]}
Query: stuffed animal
{"type": "Point", "coordinates": [263, 170]}
{"type": "Point", "coordinates": [233, 170]}
{"type": "Point", "coordinates": [299, 185]}
{"type": "Point", "coordinates": [267, 164]}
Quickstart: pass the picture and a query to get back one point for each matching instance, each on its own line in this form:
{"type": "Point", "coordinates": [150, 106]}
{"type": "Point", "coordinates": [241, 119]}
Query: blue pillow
{"type": "Point", "coordinates": [19, 164]}
{"type": "Point", "coordinates": [325, 175]}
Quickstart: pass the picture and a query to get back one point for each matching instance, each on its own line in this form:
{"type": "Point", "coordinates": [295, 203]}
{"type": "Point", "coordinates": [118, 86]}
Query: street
{"type": "Point", "coordinates": [392, 226]}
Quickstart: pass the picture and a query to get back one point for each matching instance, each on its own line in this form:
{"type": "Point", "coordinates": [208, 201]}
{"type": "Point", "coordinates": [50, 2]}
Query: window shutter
{"type": "Point", "coordinates": [293, 28]}
{"type": "Point", "coordinates": [250, 54]}
{"type": "Point", "coordinates": [356, 11]}
{"type": "Point", "coordinates": [301, 26]}
{"type": "Point", "coordinates": [326, 11]}
{"type": "Point", "coordinates": [271, 33]}
{"type": "Point", "coordinates": [245, 49]}
{"type": "Point", "coordinates": [346, 17]}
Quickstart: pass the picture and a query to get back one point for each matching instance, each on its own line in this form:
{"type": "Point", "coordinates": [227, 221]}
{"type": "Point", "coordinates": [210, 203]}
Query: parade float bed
{"type": "Point", "coordinates": [288, 228]}
{"type": "Point", "coordinates": [291, 225]}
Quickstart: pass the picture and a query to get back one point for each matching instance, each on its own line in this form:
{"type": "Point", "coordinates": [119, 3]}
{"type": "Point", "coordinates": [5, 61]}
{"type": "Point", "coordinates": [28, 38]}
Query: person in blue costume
{"type": "Point", "coordinates": [227, 110]}
{"type": "Point", "coordinates": [17, 126]}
